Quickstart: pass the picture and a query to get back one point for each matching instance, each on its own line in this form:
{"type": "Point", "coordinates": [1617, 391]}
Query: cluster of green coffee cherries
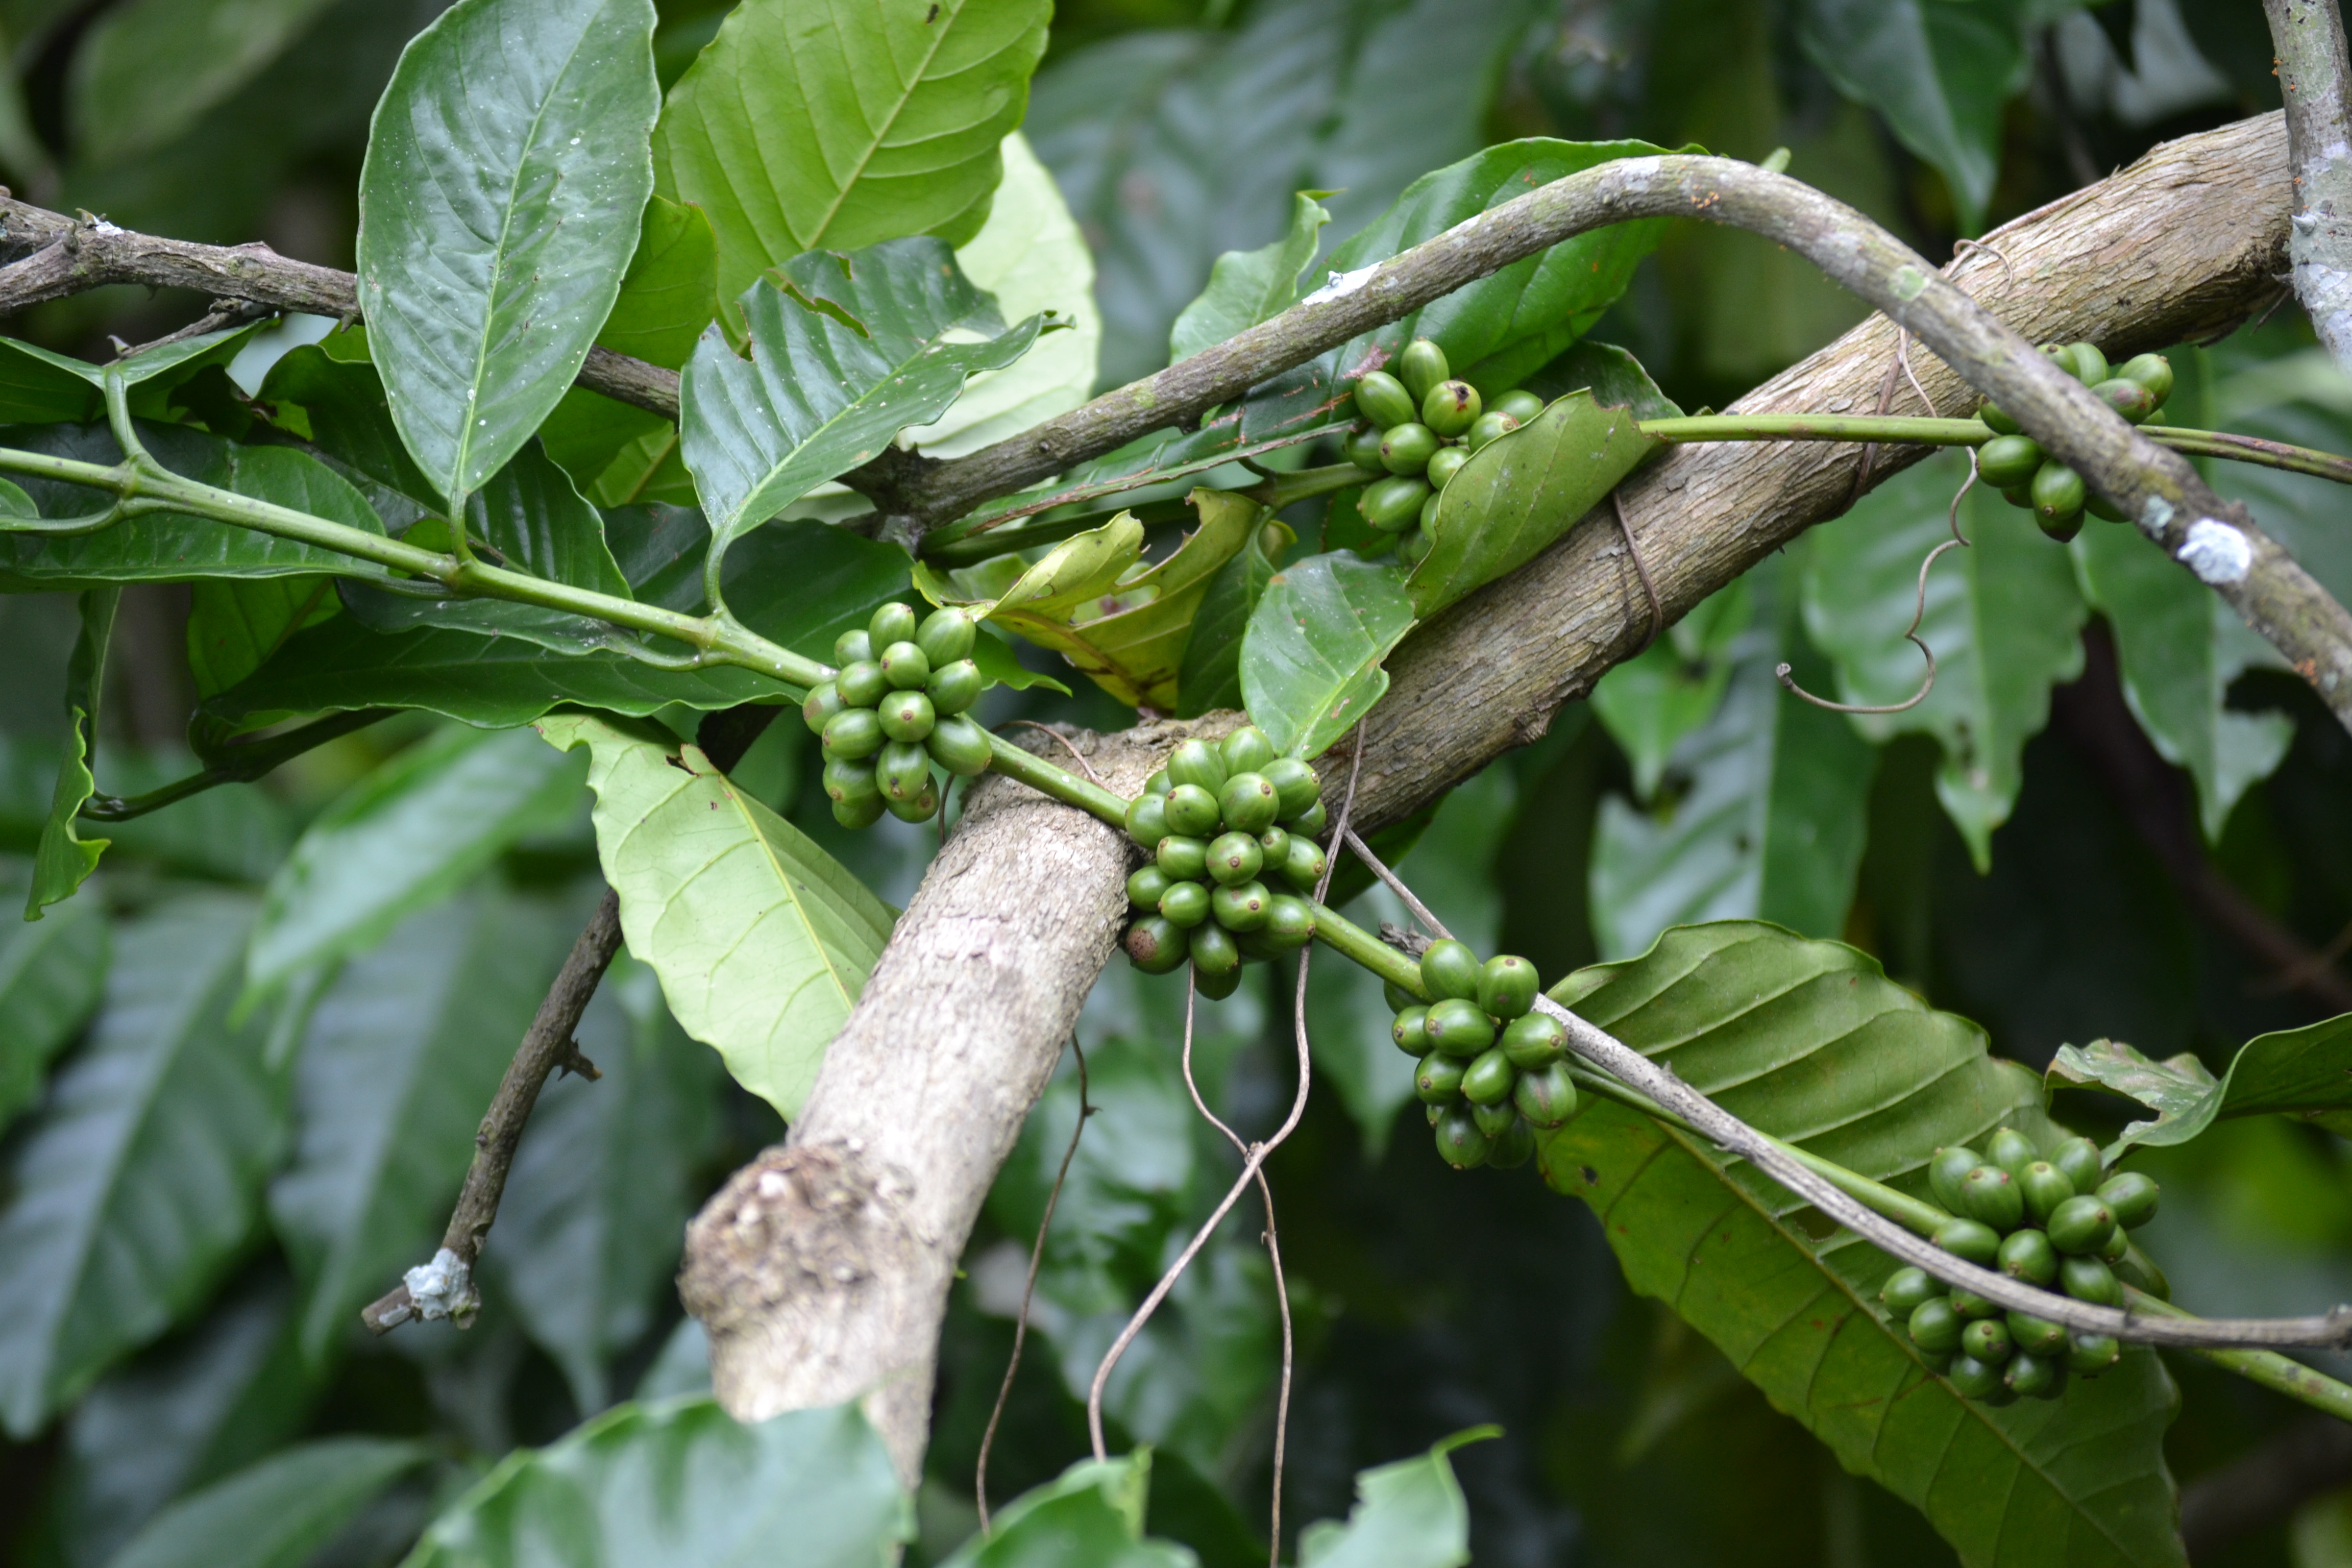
{"type": "Point", "coordinates": [2059, 1223]}
{"type": "Point", "coordinates": [1491, 1069]}
{"type": "Point", "coordinates": [897, 707]}
{"type": "Point", "coordinates": [1423, 425]}
{"type": "Point", "coordinates": [1230, 828]}
{"type": "Point", "coordinates": [2014, 464]}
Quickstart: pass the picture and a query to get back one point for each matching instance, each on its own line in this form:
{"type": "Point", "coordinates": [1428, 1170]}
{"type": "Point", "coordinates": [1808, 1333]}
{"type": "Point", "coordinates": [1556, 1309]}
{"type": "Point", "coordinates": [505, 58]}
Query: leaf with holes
{"type": "Point", "coordinates": [1410, 1514]}
{"type": "Point", "coordinates": [762, 941]}
{"type": "Point", "coordinates": [64, 860]}
{"type": "Point", "coordinates": [1810, 1041]}
{"type": "Point", "coordinates": [1311, 658]}
{"type": "Point", "coordinates": [2304, 1073]}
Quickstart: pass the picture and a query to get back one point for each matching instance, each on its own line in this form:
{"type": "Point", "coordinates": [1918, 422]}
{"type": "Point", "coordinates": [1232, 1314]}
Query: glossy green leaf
{"type": "Point", "coordinates": [2004, 617]}
{"type": "Point", "coordinates": [1211, 677]}
{"type": "Point", "coordinates": [1810, 1041]}
{"type": "Point", "coordinates": [139, 1181]}
{"type": "Point", "coordinates": [2181, 647]}
{"type": "Point", "coordinates": [401, 1055]}
{"type": "Point", "coordinates": [1246, 287]}
{"type": "Point", "coordinates": [684, 1486]}
{"type": "Point", "coordinates": [595, 1211]}
{"type": "Point", "coordinates": [1090, 1513]}
{"type": "Point", "coordinates": [236, 628]}
{"type": "Point", "coordinates": [671, 290]}
{"type": "Point", "coordinates": [1410, 1514]}
{"type": "Point", "coordinates": [819, 124]}
{"type": "Point", "coordinates": [1518, 493]}
{"type": "Point", "coordinates": [341, 406]}
{"type": "Point", "coordinates": [499, 209]}
{"type": "Point", "coordinates": [64, 858]}
{"type": "Point", "coordinates": [277, 1513]}
{"type": "Point", "coordinates": [847, 354]}
{"type": "Point", "coordinates": [147, 71]}
{"type": "Point", "coordinates": [1940, 74]}
{"type": "Point", "coordinates": [404, 837]}
{"type": "Point", "coordinates": [617, 455]}
{"type": "Point", "coordinates": [2304, 1073]}
{"type": "Point", "coordinates": [762, 941]}
{"type": "Point", "coordinates": [1311, 660]}
{"type": "Point", "coordinates": [1614, 377]}
{"type": "Point", "coordinates": [38, 386]}
{"type": "Point", "coordinates": [51, 974]}
{"type": "Point", "coordinates": [1652, 700]}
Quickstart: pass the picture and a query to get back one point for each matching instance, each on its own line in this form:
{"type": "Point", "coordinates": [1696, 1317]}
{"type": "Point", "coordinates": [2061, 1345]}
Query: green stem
{"type": "Point", "coordinates": [1349, 940]}
{"type": "Point", "coordinates": [949, 548]}
{"type": "Point", "coordinates": [2280, 1375]}
{"type": "Point", "coordinates": [2252, 450]}
{"type": "Point", "coordinates": [1058, 783]}
{"type": "Point", "coordinates": [241, 762]}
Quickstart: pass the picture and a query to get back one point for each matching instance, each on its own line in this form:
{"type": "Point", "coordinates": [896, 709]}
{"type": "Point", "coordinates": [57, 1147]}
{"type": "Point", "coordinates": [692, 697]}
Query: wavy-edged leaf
{"type": "Point", "coordinates": [64, 860]}
{"type": "Point", "coordinates": [684, 1486]}
{"type": "Point", "coordinates": [277, 1513]}
{"type": "Point", "coordinates": [2004, 617]}
{"type": "Point", "coordinates": [2180, 648]}
{"type": "Point", "coordinates": [400, 1056]}
{"type": "Point", "coordinates": [762, 941]}
{"type": "Point", "coordinates": [38, 386]}
{"type": "Point", "coordinates": [1614, 377]}
{"type": "Point", "coordinates": [146, 72]}
{"type": "Point", "coordinates": [1311, 660]}
{"type": "Point", "coordinates": [1246, 287]}
{"type": "Point", "coordinates": [141, 1178]}
{"type": "Point", "coordinates": [1810, 1041]}
{"type": "Point", "coordinates": [1211, 677]}
{"type": "Point", "coordinates": [1410, 1514]}
{"type": "Point", "coordinates": [812, 124]}
{"type": "Point", "coordinates": [847, 352]}
{"type": "Point", "coordinates": [1519, 492]}
{"type": "Point", "coordinates": [405, 837]}
{"type": "Point", "coordinates": [51, 974]}
{"type": "Point", "coordinates": [671, 290]}
{"type": "Point", "coordinates": [2305, 1073]}
{"type": "Point", "coordinates": [507, 172]}
{"type": "Point", "coordinates": [1092, 1512]}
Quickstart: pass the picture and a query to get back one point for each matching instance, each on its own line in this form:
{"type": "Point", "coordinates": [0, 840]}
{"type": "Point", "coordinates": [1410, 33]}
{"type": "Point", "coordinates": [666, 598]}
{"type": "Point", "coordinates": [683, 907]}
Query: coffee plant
{"type": "Point", "coordinates": [475, 1087]}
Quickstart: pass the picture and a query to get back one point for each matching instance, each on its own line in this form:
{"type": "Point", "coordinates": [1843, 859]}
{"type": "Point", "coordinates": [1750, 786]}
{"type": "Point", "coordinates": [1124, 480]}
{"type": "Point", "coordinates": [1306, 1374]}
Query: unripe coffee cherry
{"type": "Point", "coordinates": [2078, 1160]}
{"type": "Point", "coordinates": [960, 747]}
{"type": "Point", "coordinates": [853, 734]}
{"type": "Point", "coordinates": [906, 715]}
{"type": "Point", "coordinates": [892, 622]}
{"type": "Point", "coordinates": [1513, 1146]}
{"type": "Point", "coordinates": [2088, 1280]}
{"type": "Point", "coordinates": [1185, 904]}
{"type": "Point", "coordinates": [1420, 368]}
{"type": "Point", "coordinates": [1489, 1078]}
{"type": "Point", "coordinates": [1971, 1306]}
{"type": "Point", "coordinates": [1948, 1169]}
{"type": "Point", "coordinates": [1446, 463]}
{"type": "Point", "coordinates": [1507, 985]}
{"type": "Point", "coordinates": [1382, 399]}
{"type": "Point", "coordinates": [1975, 1379]}
{"type": "Point", "coordinates": [1216, 988]}
{"type": "Point", "coordinates": [853, 648]}
{"type": "Point", "coordinates": [1145, 885]}
{"type": "Point", "coordinates": [1407, 1033]}
{"type": "Point", "coordinates": [2088, 1355]}
{"type": "Point", "coordinates": [824, 701]}
{"type": "Point", "coordinates": [1310, 822]}
{"type": "Point", "coordinates": [1294, 784]}
{"type": "Point", "coordinates": [1438, 1080]}
{"type": "Point", "coordinates": [1986, 1339]}
{"type": "Point", "coordinates": [1249, 803]}
{"type": "Point", "coordinates": [2034, 1377]}
{"type": "Point", "coordinates": [2007, 462]}
{"type": "Point", "coordinates": [1289, 923]}
{"type": "Point", "coordinates": [2152, 370]}
{"type": "Point", "coordinates": [1182, 858]}
{"type": "Point", "coordinates": [1535, 1041]}
{"type": "Point", "coordinates": [2126, 398]}
{"type": "Point", "coordinates": [1458, 1028]}
{"type": "Point", "coordinates": [1147, 820]}
{"type": "Point", "coordinates": [1450, 407]}
{"type": "Point", "coordinates": [862, 684]}
{"type": "Point", "coordinates": [1460, 1143]}
{"type": "Point", "coordinates": [1156, 945]}
{"type": "Point", "coordinates": [1415, 547]}
{"type": "Point", "coordinates": [1197, 762]}
{"type": "Point", "coordinates": [1971, 1239]}
{"type": "Point", "coordinates": [904, 771]}
{"type": "Point", "coordinates": [905, 667]}
{"type": "Point", "coordinates": [2081, 1225]}
{"type": "Point", "coordinates": [1390, 505]}
{"type": "Point", "coordinates": [1907, 1288]}
{"type": "Point", "coordinates": [2027, 1255]}
{"type": "Point", "coordinates": [948, 635]}
{"type": "Point", "coordinates": [1450, 968]}
{"type": "Point", "coordinates": [1363, 449]}
{"type": "Point", "coordinates": [1302, 868]}
{"type": "Point", "coordinates": [1934, 1327]}
{"type": "Point", "coordinates": [850, 781]}
{"type": "Point", "coordinates": [2011, 1150]}
{"type": "Point", "coordinates": [1490, 426]}
{"type": "Point", "coordinates": [2000, 424]}
{"type": "Point", "coordinates": [863, 811]}
{"type": "Point", "coordinates": [2130, 1197]}
{"type": "Point", "coordinates": [2036, 1336]}
{"type": "Point", "coordinates": [1192, 811]}
{"type": "Point", "coordinates": [1521, 405]}
{"type": "Point", "coordinates": [1989, 1195]}
{"type": "Point", "coordinates": [1244, 906]}
{"type": "Point", "coordinates": [1407, 448]}
{"type": "Point", "coordinates": [2044, 1186]}
{"type": "Point", "coordinates": [1245, 751]}
{"type": "Point", "coordinates": [1274, 844]}
{"type": "Point", "coordinates": [916, 807]}
{"type": "Point", "coordinates": [1425, 525]}
{"type": "Point", "coordinates": [954, 687]}
{"type": "Point", "coordinates": [1213, 951]}
{"type": "Point", "coordinates": [1235, 858]}
{"type": "Point", "coordinates": [1545, 1096]}
{"type": "Point", "coordinates": [2090, 366]}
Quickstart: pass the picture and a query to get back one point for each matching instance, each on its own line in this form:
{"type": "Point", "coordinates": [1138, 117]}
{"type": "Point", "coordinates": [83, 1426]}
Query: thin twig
{"type": "Point", "coordinates": [1029, 1289]}
{"type": "Point", "coordinates": [445, 1287]}
{"type": "Point", "coordinates": [1903, 358]}
{"type": "Point", "coordinates": [1362, 851]}
{"type": "Point", "coordinates": [1961, 246]}
{"type": "Point", "coordinates": [1642, 568]}
{"type": "Point", "coordinates": [1049, 730]}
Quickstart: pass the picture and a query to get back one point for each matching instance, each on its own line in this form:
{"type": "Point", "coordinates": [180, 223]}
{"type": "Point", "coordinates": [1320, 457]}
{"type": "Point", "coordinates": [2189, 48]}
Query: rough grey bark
{"type": "Point", "coordinates": [2184, 243]}
{"type": "Point", "coordinates": [2309, 37]}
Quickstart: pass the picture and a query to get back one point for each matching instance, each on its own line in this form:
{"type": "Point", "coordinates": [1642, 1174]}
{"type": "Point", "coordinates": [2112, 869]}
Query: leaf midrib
{"type": "Point", "coordinates": [881, 133]}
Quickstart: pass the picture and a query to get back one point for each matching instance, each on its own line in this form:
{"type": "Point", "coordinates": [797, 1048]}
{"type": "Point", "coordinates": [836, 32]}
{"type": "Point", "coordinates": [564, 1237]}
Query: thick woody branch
{"type": "Point", "coordinates": [58, 256]}
{"type": "Point", "coordinates": [2312, 77]}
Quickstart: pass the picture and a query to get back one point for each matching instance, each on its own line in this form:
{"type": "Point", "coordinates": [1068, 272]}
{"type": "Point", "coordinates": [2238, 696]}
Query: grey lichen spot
{"type": "Point", "coordinates": [2217, 552]}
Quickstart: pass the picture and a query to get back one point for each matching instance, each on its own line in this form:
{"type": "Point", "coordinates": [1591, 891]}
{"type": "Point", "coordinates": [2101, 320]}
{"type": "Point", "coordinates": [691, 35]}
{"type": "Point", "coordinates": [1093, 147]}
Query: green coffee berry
{"type": "Point", "coordinates": [1989, 1193]}
{"type": "Point", "coordinates": [1363, 449]}
{"type": "Point", "coordinates": [1185, 904]}
{"type": "Point", "coordinates": [1382, 399]}
{"type": "Point", "coordinates": [2090, 365]}
{"type": "Point", "coordinates": [1289, 923]}
{"type": "Point", "coordinates": [1444, 466]}
{"type": "Point", "coordinates": [1193, 811]}
{"type": "Point", "coordinates": [1245, 751]}
{"type": "Point", "coordinates": [948, 635]}
{"type": "Point", "coordinates": [2078, 1159]}
{"type": "Point", "coordinates": [904, 667]}
{"type": "Point", "coordinates": [1274, 844]}
{"type": "Point", "coordinates": [1294, 784]}
{"type": "Point", "coordinates": [1147, 820]}
{"type": "Point", "coordinates": [2011, 1150]}
{"type": "Point", "coordinates": [1545, 1096]}
{"type": "Point", "coordinates": [955, 687]}
{"type": "Point", "coordinates": [1309, 822]}
{"type": "Point", "coordinates": [904, 770]}
{"type": "Point", "coordinates": [862, 684]}
{"type": "Point", "coordinates": [1969, 1238]}
{"type": "Point", "coordinates": [1535, 1041]}
{"type": "Point", "coordinates": [1507, 985]}
{"type": "Point", "coordinates": [891, 623]}
{"type": "Point", "coordinates": [960, 747]}
{"type": "Point", "coordinates": [2152, 370]}
{"type": "Point", "coordinates": [2044, 1186]}
{"type": "Point", "coordinates": [1407, 448]}
{"type": "Point", "coordinates": [1971, 1306]}
{"type": "Point", "coordinates": [1242, 907]}
{"type": "Point", "coordinates": [853, 734]}
{"type": "Point", "coordinates": [1439, 1079]}
{"type": "Point", "coordinates": [1213, 951]}
{"type": "Point", "coordinates": [2081, 1225]}
{"type": "Point", "coordinates": [1198, 764]}
{"type": "Point", "coordinates": [2117, 1248]}
{"type": "Point", "coordinates": [2034, 1377]}
{"type": "Point", "coordinates": [906, 715]}
{"type": "Point", "coordinates": [1973, 1378]}
{"type": "Point", "coordinates": [2058, 494]}
{"type": "Point", "coordinates": [1434, 1112]}
{"type": "Point", "coordinates": [2036, 1336]}
{"type": "Point", "coordinates": [1490, 426]}
{"type": "Point", "coordinates": [850, 780]}
{"type": "Point", "coordinates": [1521, 405]}
{"type": "Point", "coordinates": [1302, 868]}
{"type": "Point", "coordinates": [1907, 1288]}
{"type": "Point", "coordinates": [915, 807]}
{"type": "Point", "coordinates": [853, 648]}
{"type": "Point", "coordinates": [1947, 1170]}
{"type": "Point", "coordinates": [1155, 944]}
{"type": "Point", "coordinates": [1158, 783]}
{"type": "Point", "coordinates": [1425, 523]}
{"type": "Point", "coordinates": [1249, 803]}
{"type": "Point", "coordinates": [1184, 857]}
{"type": "Point", "coordinates": [1489, 1078]}
{"type": "Point", "coordinates": [1415, 547]}
{"type": "Point", "coordinates": [1216, 988]}
{"type": "Point", "coordinates": [2088, 1280]}
{"type": "Point", "coordinates": [1145, 885]}
{"type": "Point", "coordinates": [2020, 496]}
{"type": "Point", "coordinates": [1514, 1147]}
{"type": "Point", "coordinates": [1450, 968]}
{"type": "Point", "coordinates": [1458, 1028]}
{"type": "Point", "coordinates": [1235, 858]}
{"type": "Point", "coordinates": [1397, 997]}
{"type": "Point", "coordinates": [863, 811]}
{"type": "Point", "coordinates": [2007, 462]}
{"type": "Point", "coordinates": [1986, 1339]}
{"type": "Point", "coordinates": [1493, 1121]}
{"type": "Point", "coordinates": [2027, 1255]}
{"type": "Point", "coordinates": [2126, 398]}
{"type": "Point", "coordinates": [2000, 423]}
{"type": "Point", "coordinates": [1393, 504]}
{"type": "Point", "coordinates": [1459, 1142]}
{"type": "Point", "coordinates": [1934, 1327]}
{"type": "Point", "coordinates": [824, 702]}
{"type": "Point", "coordinates": [1407, 1032]}
{"type": "Point", "coordinates": [2130, 1197]}
{"type": "Point", "coordinates": [2087, 1355]}
{"type": "Point", "coordinates": [1450, 407]}
{"type": "Point", "coordinates": [1420, 368]}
